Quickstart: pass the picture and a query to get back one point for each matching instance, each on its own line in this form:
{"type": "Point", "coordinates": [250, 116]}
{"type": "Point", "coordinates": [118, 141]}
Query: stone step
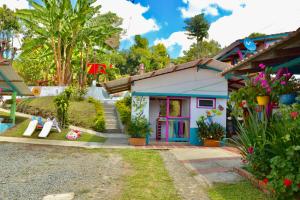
{"type": "Point", "coordinates": [116, 130]}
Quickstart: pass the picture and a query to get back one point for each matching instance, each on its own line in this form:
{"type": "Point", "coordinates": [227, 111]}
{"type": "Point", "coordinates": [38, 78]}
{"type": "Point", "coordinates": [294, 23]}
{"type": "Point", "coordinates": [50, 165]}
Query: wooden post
{"type": "Point", "coordinates": [13, 107]}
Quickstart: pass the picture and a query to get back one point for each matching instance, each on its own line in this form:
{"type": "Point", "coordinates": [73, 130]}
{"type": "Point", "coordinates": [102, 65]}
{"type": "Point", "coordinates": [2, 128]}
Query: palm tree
{"type": "Point", "coordinates": [62, 27]}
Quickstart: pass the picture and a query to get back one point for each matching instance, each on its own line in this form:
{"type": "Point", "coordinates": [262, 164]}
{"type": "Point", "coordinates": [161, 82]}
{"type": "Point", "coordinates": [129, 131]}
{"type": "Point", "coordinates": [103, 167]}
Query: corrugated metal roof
{"type": "Point", "coordinates": [10, 81]}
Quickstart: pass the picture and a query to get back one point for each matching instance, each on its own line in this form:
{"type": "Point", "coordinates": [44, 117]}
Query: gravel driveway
{"type": "Point", "coordinates": [33, 171]}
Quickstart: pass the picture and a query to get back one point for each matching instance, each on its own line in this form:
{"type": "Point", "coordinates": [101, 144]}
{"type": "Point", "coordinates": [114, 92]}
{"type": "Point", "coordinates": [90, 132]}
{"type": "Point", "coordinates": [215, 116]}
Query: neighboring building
{"type": "Point", "coordinates": [283, 53]}
{"type": "Point", "coordinates": [173, 98]}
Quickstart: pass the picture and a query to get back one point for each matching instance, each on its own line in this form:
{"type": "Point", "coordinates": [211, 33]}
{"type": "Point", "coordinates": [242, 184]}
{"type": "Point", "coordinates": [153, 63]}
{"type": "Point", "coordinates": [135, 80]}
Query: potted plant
{"type": "Point", "coordinates": [138, 129]}
{"type": "Point", "coordinates": [263, 84]}
{"type": "Point", "coordinates": [286, 85]}
{"type": "Point", "coordinates": [211, 133]}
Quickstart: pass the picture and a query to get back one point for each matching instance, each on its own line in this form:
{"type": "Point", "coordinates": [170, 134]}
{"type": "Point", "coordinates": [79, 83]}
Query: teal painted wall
{"type": "Point", "coordinates": [194, 140]}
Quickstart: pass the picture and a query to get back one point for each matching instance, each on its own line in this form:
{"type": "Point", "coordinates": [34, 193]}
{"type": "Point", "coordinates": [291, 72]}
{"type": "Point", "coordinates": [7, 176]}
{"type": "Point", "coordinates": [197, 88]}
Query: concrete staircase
{"type": "Point", "coordinates": [111, 119]}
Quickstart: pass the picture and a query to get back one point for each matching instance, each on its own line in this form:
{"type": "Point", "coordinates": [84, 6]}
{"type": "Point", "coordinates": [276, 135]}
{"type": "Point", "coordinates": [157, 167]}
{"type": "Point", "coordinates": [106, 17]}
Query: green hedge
{"type": "Point", "coordinates": [124, 108]}
{"type": "Point", "coordinates": [100, 119]}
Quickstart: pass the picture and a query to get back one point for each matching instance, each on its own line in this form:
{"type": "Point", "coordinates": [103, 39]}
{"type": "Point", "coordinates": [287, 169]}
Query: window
{"type": "Point", "coordinates": [174, 109]}
{"type": "Point", "coordinates": [209, 103]}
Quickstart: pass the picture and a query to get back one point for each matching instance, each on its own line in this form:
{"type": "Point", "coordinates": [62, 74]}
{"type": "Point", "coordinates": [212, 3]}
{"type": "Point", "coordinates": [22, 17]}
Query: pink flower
{"type": "Point", "coordinates": [262, 66]}
{"type": "Point", "coordinates": [256, 79]}
{"type": "Point", "coordinates": [261, 74]}
{"type": "Point", "coordinates": [287, 182]}
{"type": "Point", "coordinates": [268, 90]}
{"type": "Point", "coordinates": [279, 73]}
{"type": "Point", "coordinates": [250, 150]}
{"type": "Point", "coordinates": [264, 83]}
{"type": "Point", "coordinates": [283, 82]}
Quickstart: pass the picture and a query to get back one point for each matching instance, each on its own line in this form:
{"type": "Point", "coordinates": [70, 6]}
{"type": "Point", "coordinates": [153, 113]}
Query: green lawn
{"type": "Point", "coordinates": [81, 113]}
{"type": "Point", "coordinates": [148, 178]}
{"type": "Point", "coordinates": [238, 191]}
{"type": "Point", "coordinates": [22, 123]}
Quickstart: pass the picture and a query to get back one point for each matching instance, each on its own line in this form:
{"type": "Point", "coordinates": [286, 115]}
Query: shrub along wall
{"type": "Point", "coordinates": [124, 108]}
{"type": "Point", "coordinates": [99, 122]}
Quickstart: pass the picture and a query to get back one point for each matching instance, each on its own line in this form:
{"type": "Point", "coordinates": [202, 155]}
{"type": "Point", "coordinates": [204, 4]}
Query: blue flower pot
{"type": "Point", "coordinates": [287, 99]}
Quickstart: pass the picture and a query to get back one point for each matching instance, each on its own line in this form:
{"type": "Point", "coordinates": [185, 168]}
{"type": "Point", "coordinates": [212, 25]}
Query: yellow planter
{"type": "Point", "coordinates": [263, 100]}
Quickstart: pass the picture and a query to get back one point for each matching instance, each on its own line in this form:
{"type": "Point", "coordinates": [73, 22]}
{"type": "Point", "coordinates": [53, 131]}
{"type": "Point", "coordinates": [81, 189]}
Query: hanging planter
{"type": "Point", "coordinates": [287, 99]}
{"type": "Point", "coordinates": [263, 100]}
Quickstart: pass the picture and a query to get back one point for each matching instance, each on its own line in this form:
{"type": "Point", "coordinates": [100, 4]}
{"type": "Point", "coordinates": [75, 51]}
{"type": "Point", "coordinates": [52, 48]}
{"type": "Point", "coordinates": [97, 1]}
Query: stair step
{"type": "Point", "coordinates": [113, 130]}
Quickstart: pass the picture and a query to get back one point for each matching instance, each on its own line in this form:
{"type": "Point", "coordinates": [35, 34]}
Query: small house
{"type": "Point", "coordinates": [173, 98]}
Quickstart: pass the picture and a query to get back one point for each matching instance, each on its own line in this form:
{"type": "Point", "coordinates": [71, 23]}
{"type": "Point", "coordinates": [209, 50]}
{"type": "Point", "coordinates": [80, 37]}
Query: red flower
{"type": "Point", "coordinates": [294, 115]}
{"type": "Point", "coordinates": [298, 185]}
{"type": "Point", "coordinates": [265, 180]}
{"type": "Point", "coordinates": [287, 182]}
{"type": "Point", "coordinates": [250, 150]}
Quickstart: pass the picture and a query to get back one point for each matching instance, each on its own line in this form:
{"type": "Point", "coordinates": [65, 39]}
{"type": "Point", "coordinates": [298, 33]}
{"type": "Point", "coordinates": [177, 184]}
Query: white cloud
{"type": "Point", "coordinates": [133, 20]}
{"type": "Point", "coordinates": [267, 16]}
{"type": "Point", "coordinates": [180, 38]}
{"type": "Point", "coordinates": [15, 4]}
{"type": "Point", "coordinates": [195, 7]}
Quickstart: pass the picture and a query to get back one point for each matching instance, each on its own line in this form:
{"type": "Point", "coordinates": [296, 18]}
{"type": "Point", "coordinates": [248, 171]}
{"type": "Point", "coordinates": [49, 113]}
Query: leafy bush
{"type": "Point", "coordinates": [139, 127]}
{"type": "Point", "coordinates": [211, 130]}
{"type": "Point", "coordinates": [271, 149]}
{"type": "Point", "coordinates": [77, 93]}
{"type": "Point", "coordinates": [100, 119]}
{"type": "Point", "coordinates": [124, 109]}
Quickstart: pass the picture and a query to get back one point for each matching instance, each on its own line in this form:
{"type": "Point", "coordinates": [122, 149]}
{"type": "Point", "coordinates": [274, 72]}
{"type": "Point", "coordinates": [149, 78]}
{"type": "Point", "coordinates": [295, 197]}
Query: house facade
{"type": "Point", "coordinates": [172, 99]}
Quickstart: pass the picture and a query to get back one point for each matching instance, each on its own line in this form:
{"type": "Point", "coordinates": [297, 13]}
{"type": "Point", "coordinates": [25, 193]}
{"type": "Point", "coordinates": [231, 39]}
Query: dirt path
{"type": "Point", "coordinates": [186, 185]}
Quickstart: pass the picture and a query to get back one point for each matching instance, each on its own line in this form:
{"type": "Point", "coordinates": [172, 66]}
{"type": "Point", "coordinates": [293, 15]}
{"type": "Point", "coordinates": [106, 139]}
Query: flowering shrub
{"type": "Point", "coordinates": [271, 150]}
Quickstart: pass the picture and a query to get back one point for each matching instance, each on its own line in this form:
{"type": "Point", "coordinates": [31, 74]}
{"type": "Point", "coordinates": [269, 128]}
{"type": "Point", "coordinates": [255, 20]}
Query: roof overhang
{"type": "Point", "coordinates": [124, 84]}
{"type": "Point", "coordinates": [11, 82]}
{"type": "Point", "coordinates": [284, 53]}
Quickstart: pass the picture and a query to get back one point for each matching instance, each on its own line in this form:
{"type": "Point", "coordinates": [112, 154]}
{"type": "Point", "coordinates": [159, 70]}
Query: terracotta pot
{"type": "Point", "coordinates": [263, 100]}
{"type": "Point", "coordinates": [211, 143]}
{"type": "Point", "coordinates": [137, 141]}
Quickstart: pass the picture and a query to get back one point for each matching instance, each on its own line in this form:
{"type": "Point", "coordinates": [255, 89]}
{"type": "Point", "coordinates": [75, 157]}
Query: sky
{"type": "Point", "coordinates": [162, 21]}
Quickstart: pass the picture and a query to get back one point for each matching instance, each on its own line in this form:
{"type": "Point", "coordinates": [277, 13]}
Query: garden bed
{"type": "Point", "coordinates": [254, 181]}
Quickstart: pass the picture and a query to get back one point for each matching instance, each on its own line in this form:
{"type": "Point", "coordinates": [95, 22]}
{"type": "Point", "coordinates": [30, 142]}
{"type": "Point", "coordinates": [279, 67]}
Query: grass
{"type": "Point", "coordinates": [22, 123]}
{"type": "Point", "coordinates": [81, 113]}
{"type": "Point", "coordinates": [148, 179]}
{"type": "Point", "coordinates": [242, 190]}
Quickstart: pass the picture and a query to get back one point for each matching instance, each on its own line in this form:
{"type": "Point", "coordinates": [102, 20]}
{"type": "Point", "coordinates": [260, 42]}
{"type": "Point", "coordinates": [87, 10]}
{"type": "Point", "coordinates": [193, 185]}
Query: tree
{"type": "Point", "coordinates": [66, 30]}
{"type": "Point", "coordinates": [197, 27]}
{"type": "Point", "coordinates": [155, 57]}
{"type": "Point", "coordinates": [8, 20]}
{"type": "Point", "coordinates": [8, 26]}
{"type": "Point", "coordinates": [160, 57]}
{"type": "Point", "coordinates": [208, 49]}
